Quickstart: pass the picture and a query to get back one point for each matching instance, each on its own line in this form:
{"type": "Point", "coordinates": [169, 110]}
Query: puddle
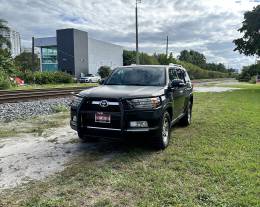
{"type": "Point", "coordinates": [29, 157]}
{"type": "Point", "coordinates": [214, 89]}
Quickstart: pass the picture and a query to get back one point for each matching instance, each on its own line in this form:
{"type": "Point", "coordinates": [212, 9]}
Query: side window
{"type": "Point", "coordinates": [187, 78]}
{"type": "Point", "coordinates": [181, 74]}
{"type": "Point", "coordinates": [172, 74]}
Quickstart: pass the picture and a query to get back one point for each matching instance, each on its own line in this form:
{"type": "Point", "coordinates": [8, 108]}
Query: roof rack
{"type": "Point", "coordinates": [172, 64]}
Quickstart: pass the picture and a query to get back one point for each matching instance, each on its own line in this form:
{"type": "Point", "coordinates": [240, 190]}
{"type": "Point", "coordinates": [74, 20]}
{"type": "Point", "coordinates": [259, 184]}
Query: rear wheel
{"type": "Point", "coordinates": [186, 119]}
{"type": "Point", "coordinates": [163, 137]}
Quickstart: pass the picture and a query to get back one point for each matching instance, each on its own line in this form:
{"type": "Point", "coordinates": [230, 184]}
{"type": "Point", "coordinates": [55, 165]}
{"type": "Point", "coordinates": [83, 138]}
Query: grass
{"type": "Point", "coordinates": [35, 125]}
{"type": "Point", "coordinates": [242, 85]}
{"type": "Point", "coordinates": [213, 162]}
{"type": "Point", "coordinates": [46, 86]}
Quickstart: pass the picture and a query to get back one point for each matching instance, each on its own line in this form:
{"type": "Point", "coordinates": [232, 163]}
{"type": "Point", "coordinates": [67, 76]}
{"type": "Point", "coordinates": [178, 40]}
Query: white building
{"type": "Point", "coordinates": [74, 52]}
{"type": "Point", "coordinates": [15, 40]}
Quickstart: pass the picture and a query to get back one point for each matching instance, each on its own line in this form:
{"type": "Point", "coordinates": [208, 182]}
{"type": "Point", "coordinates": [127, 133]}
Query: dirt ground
{"type": "Point", "coordinates": [30, 157]}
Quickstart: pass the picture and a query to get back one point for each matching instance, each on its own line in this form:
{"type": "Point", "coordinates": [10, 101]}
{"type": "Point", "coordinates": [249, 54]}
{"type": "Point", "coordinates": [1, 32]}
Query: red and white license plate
{"type": "Point", "coordinates": [100, 117]}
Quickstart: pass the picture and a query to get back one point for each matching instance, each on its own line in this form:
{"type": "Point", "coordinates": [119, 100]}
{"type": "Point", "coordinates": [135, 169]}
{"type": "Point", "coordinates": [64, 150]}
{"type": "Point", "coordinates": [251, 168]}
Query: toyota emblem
{"type": "Point", "coordinates": [103, 103]}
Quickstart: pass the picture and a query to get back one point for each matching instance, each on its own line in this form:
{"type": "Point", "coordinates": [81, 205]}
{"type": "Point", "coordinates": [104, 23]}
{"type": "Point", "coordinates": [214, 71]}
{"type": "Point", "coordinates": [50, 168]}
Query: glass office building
{"type": "Point", "coordinates": [49, 58]}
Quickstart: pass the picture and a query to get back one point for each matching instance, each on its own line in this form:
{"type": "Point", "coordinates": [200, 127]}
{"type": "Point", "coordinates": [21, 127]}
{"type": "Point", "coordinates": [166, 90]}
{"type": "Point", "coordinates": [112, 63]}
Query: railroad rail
{"type": "Point", "coordinates": [11, 96]}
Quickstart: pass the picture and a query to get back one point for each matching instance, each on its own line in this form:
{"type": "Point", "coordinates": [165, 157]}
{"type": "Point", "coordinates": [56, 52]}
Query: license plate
{"type": "Point", "coordinates": [100, 117]}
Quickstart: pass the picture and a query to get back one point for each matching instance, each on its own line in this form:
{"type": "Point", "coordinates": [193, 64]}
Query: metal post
{"type": "Point", "coordinates": [33, 69]}
{"type": "Point", "coordinates": [136, 32]}
{"type": "Point", "coordinates": [167, 46]}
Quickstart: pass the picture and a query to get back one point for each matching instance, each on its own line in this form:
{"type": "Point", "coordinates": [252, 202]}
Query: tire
{"type": "Point", "coordinates": [163, 137]}
{"type": "Point", "coordinates": [85, 138]}
{"type": "Point", "coordinates": [186, 119]}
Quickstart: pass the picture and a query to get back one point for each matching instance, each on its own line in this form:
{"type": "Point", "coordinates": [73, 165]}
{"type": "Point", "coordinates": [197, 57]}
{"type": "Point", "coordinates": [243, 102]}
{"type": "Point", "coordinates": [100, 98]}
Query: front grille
{"type": "Point", "coordinates": [90, 107]}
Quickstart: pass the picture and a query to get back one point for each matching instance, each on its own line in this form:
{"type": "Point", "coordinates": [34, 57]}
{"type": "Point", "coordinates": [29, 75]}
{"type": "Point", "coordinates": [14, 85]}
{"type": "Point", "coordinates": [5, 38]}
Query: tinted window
{"type": "Point", "coordinates": [187, 78]}
{"type": "Point", "coordinates": [181, 74]}
{"type": "Point", "coordinates": [143, 76]}
{"type": "Point", "coordinates": [173, 74]}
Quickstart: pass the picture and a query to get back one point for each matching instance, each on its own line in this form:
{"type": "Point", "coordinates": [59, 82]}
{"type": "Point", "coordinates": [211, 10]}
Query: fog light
{"type": "Point", "coordinates": [138, 124]}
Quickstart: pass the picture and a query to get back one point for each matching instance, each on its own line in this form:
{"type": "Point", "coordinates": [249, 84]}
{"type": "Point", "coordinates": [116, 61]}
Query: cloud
{"type": "Point", "coordinates": [206, 26]}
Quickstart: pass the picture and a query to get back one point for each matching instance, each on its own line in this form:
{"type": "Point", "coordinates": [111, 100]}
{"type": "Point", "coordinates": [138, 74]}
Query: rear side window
{"type": "Point", "coordinates": [187, 78]}
{"type": "Point", "coordinates": [181, 74]}
{"type": "Point", "coordinates": [173, 74]}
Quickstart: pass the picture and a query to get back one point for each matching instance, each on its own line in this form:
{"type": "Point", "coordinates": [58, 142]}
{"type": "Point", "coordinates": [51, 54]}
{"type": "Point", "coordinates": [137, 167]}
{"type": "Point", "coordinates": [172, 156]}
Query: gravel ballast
{"type": "Point", "coordinates": [23, 110]}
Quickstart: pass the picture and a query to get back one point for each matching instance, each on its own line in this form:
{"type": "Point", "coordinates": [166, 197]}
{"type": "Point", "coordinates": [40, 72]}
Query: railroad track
{"type": "Point", "coordinates": [7, 96]}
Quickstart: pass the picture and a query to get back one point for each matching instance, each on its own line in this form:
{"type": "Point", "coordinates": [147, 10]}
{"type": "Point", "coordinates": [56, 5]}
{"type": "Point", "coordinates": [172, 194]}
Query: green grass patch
{"type": "Point", "coordinates": [242, 85]}
{"type": "Point", "coordinates": [213, 162]}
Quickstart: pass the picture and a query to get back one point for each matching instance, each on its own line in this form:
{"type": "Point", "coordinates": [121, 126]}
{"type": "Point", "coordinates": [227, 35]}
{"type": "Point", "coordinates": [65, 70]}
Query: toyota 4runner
{"type": "Point", "coordinates": [136, 99]}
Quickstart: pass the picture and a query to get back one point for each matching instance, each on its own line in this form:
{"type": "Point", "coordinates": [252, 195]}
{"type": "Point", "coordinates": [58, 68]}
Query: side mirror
{"type": "Point", "coordinates": [177, 83]}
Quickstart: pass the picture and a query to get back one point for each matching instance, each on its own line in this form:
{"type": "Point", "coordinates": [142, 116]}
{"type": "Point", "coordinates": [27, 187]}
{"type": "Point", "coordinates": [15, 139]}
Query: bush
{"type": "Point", "coordinates": [248, 72]}
{"type": "Point", "coordinates": [253, 79]}
{"type": "Point", "coordinates": [195, 72]}
{"type": "Point", "coordinates": [5, 83]}
{"type": "Point", "coordinates": [45, 77]}
{"type": "Point", "coordinates": [104, 71]}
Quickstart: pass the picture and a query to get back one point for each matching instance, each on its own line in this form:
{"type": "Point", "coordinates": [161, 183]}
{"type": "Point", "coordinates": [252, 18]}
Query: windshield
{"type": "Point", "coordinates": [138, 76]}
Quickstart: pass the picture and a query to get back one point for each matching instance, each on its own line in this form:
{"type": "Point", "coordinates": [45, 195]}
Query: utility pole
{"type": "Point", "coordinates": [136, 31]}
{"type": "Point", "coordinates": [167, 46]}
{"type": "Point", "coordinates": [33, 69]}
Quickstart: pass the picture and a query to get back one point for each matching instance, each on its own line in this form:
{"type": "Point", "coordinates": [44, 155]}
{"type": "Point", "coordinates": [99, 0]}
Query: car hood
{"type": "Point", "coordinates": [115, 91]}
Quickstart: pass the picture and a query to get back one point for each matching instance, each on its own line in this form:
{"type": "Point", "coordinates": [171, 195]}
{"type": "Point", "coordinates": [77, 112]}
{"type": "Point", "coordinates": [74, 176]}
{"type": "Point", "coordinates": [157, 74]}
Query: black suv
{"type": "Point", "coordinates": [136, 99]}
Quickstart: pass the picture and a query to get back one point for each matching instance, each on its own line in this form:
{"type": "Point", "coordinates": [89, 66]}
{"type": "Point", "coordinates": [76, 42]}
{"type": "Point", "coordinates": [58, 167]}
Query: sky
{"type": "Point", "coordinates": [207, 26]}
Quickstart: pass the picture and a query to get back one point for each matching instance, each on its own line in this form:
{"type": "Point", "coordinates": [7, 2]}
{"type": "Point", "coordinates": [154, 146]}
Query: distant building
{"type": "Point", "coordinates": [15, 40]}
{"type": "Point", "coordinates": [74, 52]}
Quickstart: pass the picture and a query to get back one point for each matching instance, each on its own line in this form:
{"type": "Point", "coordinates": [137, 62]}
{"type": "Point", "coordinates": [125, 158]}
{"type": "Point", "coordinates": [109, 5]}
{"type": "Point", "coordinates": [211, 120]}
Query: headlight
{"type": "Point", "coordinates": [76, 101]}
{"type": "Point", "coordinates": [145, 103]}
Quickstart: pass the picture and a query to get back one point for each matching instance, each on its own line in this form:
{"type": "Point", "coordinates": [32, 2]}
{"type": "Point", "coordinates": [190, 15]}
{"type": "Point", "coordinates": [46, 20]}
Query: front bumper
{"type": "Point", "coordinates": [122, 128]}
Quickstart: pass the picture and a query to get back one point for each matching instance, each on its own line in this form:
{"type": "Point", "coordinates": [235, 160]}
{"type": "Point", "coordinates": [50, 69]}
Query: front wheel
{"type": "Point", "coordinates": [163, 137]}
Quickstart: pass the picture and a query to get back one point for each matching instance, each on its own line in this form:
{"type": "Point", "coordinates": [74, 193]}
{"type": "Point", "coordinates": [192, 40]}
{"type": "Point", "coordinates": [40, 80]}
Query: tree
{"type": "Point", "coordinates": [3, 40]}
{"type": "Point", "coordinates": [24, 61]}
{"type": "Point", "coordinates": [146, 59]}
{"type": "Point", "coordinates": [248, 72]}
{"type": "Point", "coordinates": [129, 57]}
{"type": "Point", "coordinates": [7, 68]}
{"type": "Point", "coordinates": [193, 57]}
{"type": "Point", "coordinates": [249, 44]}
{"type": "Point", "coordinates": [164, 60]}
{"type": "Point", "coordinates": [7, 63]}
{"type": "Point", "coordinates": [104, 71]}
